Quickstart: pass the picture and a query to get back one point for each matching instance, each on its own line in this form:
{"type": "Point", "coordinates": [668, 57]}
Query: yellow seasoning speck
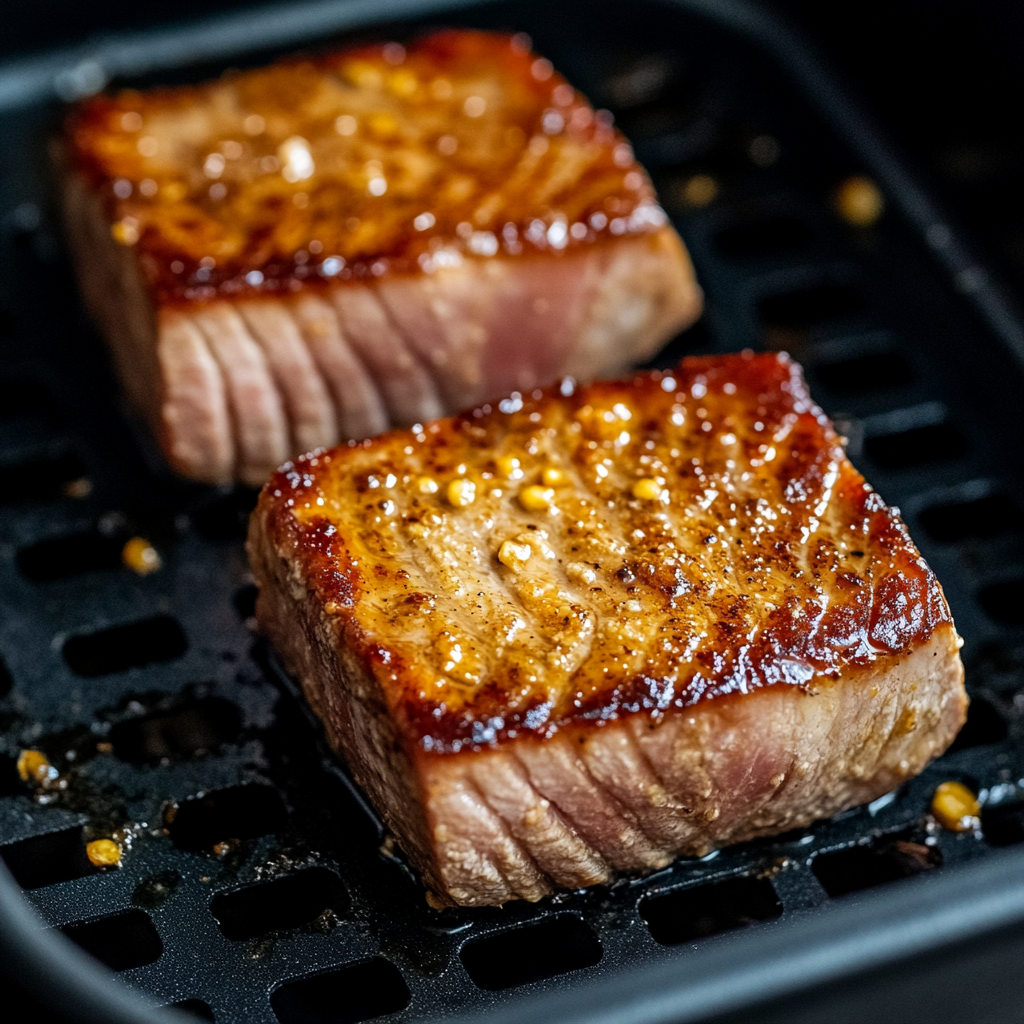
{"type": "Point", "coordinates": [700, 190]}
{"type": "Point", "coordinates": [140, 556]}
{"type": "Point", "coordinates": [552, 477]}
{"type": "Point", "coordinates": [80, 488]}
{"type": "Point", "coordinates": [859, 202]}
{"type": "Point", "coordinates": [461, 493]}
{"type": "Point", "coordinates": [508, 466]}
{"type": "Point", "coordinates": [126, 231]}
{"type": "Point", "coordinates": [535, 498]}
{"type": "Point", "coordinates": [104, 853]}
{"type": "Point", "coordinates": [955, 807]}
{"type": "Point", "coordinates": [425, 485]}
{"type": "Point", "coordinates": [33, 766]}
{"type": "Point", "coordinates": [647, 489]}
{"type": "Point", "coordinates": [514, 555]}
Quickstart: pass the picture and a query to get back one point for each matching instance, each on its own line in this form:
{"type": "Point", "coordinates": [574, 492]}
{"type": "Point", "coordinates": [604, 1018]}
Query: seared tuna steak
{"type": "Point", "coordinates": [317, 250]}
{"type": "Point", "coordinates": [589, 629]}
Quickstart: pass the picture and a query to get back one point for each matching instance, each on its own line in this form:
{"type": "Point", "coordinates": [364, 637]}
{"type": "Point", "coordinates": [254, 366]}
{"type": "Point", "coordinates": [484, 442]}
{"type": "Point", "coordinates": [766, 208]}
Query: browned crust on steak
{"type": "Point", "coordinates": [532, 154]}
{"type": "Point", "coordinates": [258, 310]}
{"type": "Point", "coordinates": [759, 646]}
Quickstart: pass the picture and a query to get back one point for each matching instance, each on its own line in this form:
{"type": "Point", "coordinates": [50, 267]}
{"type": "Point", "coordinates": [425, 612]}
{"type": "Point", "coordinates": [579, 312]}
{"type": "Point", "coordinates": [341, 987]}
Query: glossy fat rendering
{"type": "Point", "coordinates": [588, 629]}
{"type": "Point", "coordinates": [319, 249]}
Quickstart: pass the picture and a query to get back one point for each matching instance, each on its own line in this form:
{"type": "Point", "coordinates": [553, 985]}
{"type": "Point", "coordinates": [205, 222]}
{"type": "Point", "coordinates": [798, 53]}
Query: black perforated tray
{"type": "Point", "coordinates": [167, 713]}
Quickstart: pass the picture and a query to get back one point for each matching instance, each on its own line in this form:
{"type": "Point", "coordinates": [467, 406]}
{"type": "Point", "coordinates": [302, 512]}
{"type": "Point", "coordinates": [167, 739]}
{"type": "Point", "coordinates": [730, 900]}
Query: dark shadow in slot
{"type": "Point", "coordinates": [122, 647]}
{"type": "Point", "coordinates": [199, 1009]}
{"type": "Point", "coordinates": [984, 726]}
{"type": "Point", "coordinates": [240, 812]}
{"type": "Point", "coordinates": [24, 398]}
{"type": "Point", "coordinates": [1004, 602]}
{"type": "Point", "coordinates": [999, 665]}
{"type": "Point", "coordinates": [804, 308]}
{"type": "Point", "coordinates": [888, 859]}
{"type": "Point", "coordinates": [226, 518]}
{"type": "Point", "coordinates": [10, 781]}
{"type": "Point", "coordinates": [354, 993]}
{"type": "Point", "coordinates": [1003, 825]}
{"type": "Point", "coordinates": [61, 557]}
{"type": "Point", "coordinates": [245, 601]}
{"type": "Point", "coordinates": [120, 941]}
{"type": "Point", "coordinates": [532, 952]}
{"type": "Point", "coordinates": [972, 520]}
{"type": "Point", "coordinates": [48, 859]}
{"type": "Point", "coordinates": [8, 325]}
{"type": "Point", "coordinates": [686, 915]}
{"type": "Point", "coordinates": [916, 446]}
{"type": "Point", "coordinates": [6, 679]}
{"type": "Point", "coordinates": [40, 480]}
{"type": "Point", "coordinates": [872, 371]}
{"type": "Point", "coordinates": [287, 902]}
{"type": "Point", "coordinates": [189, 730]}
{"type": "Point", "coordinates": [665, 140]}
{"type": "Point", "coordinates": [764, 238]}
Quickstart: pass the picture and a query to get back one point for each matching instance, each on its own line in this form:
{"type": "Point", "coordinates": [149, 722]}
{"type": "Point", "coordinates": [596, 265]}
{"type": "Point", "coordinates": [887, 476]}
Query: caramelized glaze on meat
{"type": "Point", "coordinates": [631, 547]}
{"type": "Point", "coordinates": [590, 629]}
{"type": "Point", "coordinates": [357, 163]}
{"type": "Point", "coordinates": [321, 249]}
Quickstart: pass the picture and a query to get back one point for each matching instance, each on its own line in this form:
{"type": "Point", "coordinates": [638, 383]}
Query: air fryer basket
{"type": "Point", "coordinates": [258, 885]}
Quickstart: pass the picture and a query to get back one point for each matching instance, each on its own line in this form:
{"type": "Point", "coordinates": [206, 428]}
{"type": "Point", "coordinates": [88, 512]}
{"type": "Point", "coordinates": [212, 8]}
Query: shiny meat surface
{"type": "Point", "coordinates": [590, 628]}
{"type": "Point", "coordinates": [321, 249]}
{"type": "Point", "coordinates": [645, 544]}
{"type": "Point", "coordinates": [293, 373]}
{"type": "Point", "coordinates": [357, 163]}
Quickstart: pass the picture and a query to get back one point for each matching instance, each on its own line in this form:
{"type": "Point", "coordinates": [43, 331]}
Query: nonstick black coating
{"type": "Point", "coordinates": [168, 716]}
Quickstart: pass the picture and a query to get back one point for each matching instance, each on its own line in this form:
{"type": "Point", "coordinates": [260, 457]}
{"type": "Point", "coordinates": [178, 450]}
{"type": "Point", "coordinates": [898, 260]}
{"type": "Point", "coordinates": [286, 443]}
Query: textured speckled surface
{"type": "Point", "coordinates": [851, 294]}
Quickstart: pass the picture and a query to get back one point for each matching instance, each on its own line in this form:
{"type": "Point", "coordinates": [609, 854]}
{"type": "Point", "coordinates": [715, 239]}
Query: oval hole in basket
{"type": "Point", "coordinates": [132, 645]}
{"type": "Point", "coordinates": [239, 812]}
{"type": "Point", "coordinates": [199, 1008]}
{"type": "Point", "coordinates": [803, 308]}
{"type": "Point", "coordinates": [120, 941]}
{"type": "Point", "coordinates": [26, 404]}
{"type": "Point", "coordinates": [48, 859]}
{"type": "Point", "coordinates": [40, 479]}
{"type": "Point", "coordinates": [226, 518]}
{"type": "Point", "coordinates": [532, 952]}
{"type": "Point", "coordinates": [62, 557]}
{"type": "Point", "coordinates": [189, 730]}
{"type": "Point", "coordinates": [888, 859]}
{"type": "Point", "coordinates": [244, 600]}
{"type": "Point", "coordinates": [984, 726]}
{"type": "Point", "coordinates": [704, 910]}
{"type": "Point", "coordinates": [764, 237]}
{"type": "Point", "coordinates": [978, 519]}
{"type": "Point", "coordinates": [1003, 824]}
{"type": "Point", "coordinates": [1004, 601]}
{"type": "Point", "coordinates": [870, 371]}
{"type": "Point", "coordinates": [8, 325]}
{"type": "Point", "coordinates": [917, 446]}
{"type": "Point", "coordinates": [354, 993]}
{"type": "Point", "coordinates": [289, 901]}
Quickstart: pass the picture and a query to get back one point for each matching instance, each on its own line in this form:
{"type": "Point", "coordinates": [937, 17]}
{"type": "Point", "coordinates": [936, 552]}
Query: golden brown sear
{"type": "Point", "coordinates": [320, 249]}
{"type": "Point", "coordinates": [589, 628]}
{"type": "Point", "coordinates": [357, 163]}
